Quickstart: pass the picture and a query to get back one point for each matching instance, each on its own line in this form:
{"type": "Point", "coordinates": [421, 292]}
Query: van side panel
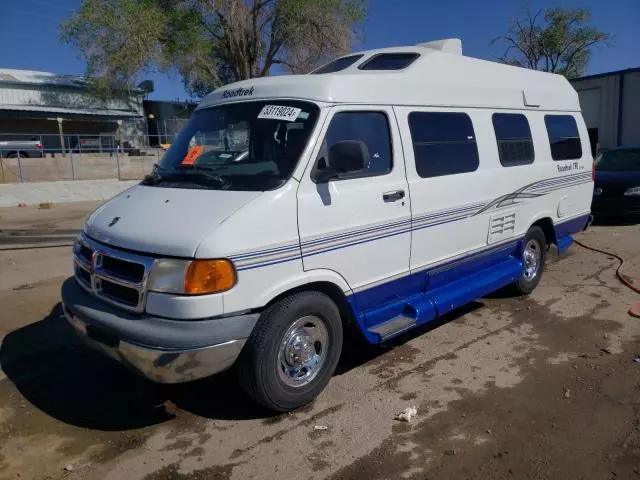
{"type": "Point", "coordinates": [474, 243]}
{"type": "Point", "coordinates": [466, 230]}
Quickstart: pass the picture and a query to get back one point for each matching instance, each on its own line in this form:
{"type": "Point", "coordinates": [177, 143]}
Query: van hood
{"type": "Point", "coordinates": [163, 221]}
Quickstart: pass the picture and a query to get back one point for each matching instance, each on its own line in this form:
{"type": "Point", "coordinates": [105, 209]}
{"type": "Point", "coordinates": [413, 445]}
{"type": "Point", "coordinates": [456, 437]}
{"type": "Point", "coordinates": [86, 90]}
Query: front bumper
{"type": "Point", "coordinates": [163, 350]}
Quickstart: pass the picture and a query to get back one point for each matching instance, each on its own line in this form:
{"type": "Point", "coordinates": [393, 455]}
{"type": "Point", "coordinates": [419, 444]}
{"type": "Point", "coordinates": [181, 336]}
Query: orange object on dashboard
{"type": "Point", "coordinates": [192, 155]}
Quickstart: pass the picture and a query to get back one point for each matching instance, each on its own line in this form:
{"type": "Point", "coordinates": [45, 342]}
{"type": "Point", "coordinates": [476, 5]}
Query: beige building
{"type": "Point", "coordinates": [50, 106]}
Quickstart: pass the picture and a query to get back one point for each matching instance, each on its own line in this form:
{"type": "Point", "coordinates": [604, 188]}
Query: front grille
{"type": "Point", "coordinates": [116, 276]}
{"type": "Point", "coordinates": [126, 295]}
{"type": "Point", "coordinates": [83, 275]}
{"type": "Point", "coordinates": [85, 252]}
{"type": "Point", "coordinates": [123, 269]}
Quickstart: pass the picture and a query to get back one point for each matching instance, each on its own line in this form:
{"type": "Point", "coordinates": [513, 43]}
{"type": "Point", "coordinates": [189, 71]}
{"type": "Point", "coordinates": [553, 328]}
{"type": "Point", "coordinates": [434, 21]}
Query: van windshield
{"type": "Point", "coordinates": [240, 146]}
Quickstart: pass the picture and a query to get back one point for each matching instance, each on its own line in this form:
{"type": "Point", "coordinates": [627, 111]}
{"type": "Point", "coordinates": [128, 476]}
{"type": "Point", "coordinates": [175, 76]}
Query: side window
{"type": "Point", "coordinates": [515, 145]}
{"type": "Point", "coordinates": [389, 61]}
{"type": "Point", "coordinates": [443, 143]}
{"type": "Point", "coordinates": [563, 137]}
{"type": "Point", "coordinates": [338, 64]}
{"type": "Point", "coordinates": [371, 129]}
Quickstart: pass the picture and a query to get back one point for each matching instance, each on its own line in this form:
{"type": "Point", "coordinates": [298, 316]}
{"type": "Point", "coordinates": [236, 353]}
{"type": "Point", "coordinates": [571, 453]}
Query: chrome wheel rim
{"type": "Point", "coordinates": [532, 259]}
{"type": "Point", "coordinates": [303, 351]}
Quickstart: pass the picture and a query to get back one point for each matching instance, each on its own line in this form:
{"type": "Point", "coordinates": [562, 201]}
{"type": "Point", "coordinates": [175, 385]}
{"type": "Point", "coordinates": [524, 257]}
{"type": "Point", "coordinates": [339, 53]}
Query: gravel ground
{"type": "Point", "coordinates": [542, 387]}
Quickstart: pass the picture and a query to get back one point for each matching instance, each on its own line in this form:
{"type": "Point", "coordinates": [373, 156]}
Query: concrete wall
{"type": "Point", "coordinates": [86, 166]}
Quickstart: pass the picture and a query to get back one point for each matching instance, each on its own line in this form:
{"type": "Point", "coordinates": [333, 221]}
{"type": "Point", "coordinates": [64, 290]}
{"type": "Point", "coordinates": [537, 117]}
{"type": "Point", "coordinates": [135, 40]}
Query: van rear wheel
{"type": "Point", "coordinates": [533, 257]}
{"type": "Point", "coordinates": [292, 352]}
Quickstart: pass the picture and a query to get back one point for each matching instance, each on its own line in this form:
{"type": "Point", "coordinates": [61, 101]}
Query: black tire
{"type": "Point", "coordinates": [259, 367]}
{"type": "Point", "coordinates": [15, 155]}
{"type": "Point", "coordinates": [527, 282]}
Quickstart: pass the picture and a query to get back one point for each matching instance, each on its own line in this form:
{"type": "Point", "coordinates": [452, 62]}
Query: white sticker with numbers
{"type": "Point", "coordinates": [279, 112]}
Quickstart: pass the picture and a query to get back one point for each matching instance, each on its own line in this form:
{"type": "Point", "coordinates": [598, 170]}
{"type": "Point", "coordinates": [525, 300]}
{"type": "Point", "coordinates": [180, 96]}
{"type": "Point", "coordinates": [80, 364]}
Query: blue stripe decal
{"type": "Point", "coordinates": [570, 226]}
{"type": "Point", "coordinates": [275, 262]}
{"type": "Point", "coordinates": [291, 252]}
{"type": "Point", "coordinates": [356, 243]}
{"type": "Point", "coordinates": [270, 251]}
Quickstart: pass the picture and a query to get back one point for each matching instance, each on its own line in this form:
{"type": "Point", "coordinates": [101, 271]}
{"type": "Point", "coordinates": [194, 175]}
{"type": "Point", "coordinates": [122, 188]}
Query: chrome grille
{"type": "Point", "coordinates": [115, 276]}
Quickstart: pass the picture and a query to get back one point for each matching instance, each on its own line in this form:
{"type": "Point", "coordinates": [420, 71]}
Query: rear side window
{"type": "Point", "coordinates": [370, 128]}
{"type": "Point", "coordinates": [563, 137]}
{"type": "Point", "coordinates": [389, 61]}
{"type": "Point", "coordinates": [443, 143]}
{"type": "Point", "coordinates": [515, 145]}
{"type": "Point", "coordinates": [338, 64]}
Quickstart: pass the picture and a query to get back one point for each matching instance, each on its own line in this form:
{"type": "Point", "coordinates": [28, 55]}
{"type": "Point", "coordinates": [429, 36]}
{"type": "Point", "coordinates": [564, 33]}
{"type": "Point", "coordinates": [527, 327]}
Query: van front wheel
{"type": "Point", "coordinates": [292, 352]}
{"type": "Point", "coordinates": [533, 258]}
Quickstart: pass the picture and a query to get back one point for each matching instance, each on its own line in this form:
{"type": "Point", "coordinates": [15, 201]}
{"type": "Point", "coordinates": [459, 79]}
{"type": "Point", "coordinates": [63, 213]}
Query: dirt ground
{"type": "Point", "coordinates": [542, 387]}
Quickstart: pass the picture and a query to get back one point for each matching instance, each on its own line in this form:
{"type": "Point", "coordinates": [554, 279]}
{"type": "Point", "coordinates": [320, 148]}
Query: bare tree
{"type": "Point", "coordinates": [209, 42]}
{"type": "Point", "coordinates": [554, 40]}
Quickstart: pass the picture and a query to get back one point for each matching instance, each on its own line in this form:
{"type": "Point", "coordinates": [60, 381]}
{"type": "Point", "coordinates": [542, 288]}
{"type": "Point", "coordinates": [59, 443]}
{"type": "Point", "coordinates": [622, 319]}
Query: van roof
{"type": "Point", "coordinates": [440, 76]}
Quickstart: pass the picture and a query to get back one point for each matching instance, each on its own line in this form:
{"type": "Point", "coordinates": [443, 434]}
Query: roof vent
{"type": "Point", "coordinates": [448, 45]}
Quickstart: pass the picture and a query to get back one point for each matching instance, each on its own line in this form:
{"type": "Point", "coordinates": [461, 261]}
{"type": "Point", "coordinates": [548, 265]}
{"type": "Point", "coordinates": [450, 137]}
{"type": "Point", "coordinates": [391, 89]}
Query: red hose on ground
{"type": "Point", "coordinates": [635, 310]}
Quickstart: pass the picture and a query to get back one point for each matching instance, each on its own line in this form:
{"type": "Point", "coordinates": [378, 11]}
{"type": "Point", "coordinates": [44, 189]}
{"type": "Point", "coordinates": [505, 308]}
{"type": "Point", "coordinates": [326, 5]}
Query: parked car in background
{"type": "Point", "coordinates": [617, 183]}
{"type": "Point", "coordinates": [22, 148]}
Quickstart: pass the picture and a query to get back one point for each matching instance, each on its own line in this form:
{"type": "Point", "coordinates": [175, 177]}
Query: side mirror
{"type": "Point", "coordinates": [347, 156]}
{"type": "Point", "coordinates": [323, 175]}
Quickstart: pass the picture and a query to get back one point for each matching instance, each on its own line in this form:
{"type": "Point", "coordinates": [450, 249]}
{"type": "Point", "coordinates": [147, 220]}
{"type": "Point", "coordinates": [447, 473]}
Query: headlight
{"type": "Point", "coordinates": [632, 192]}
{"type": "Point", "coordinates": [192, 277]}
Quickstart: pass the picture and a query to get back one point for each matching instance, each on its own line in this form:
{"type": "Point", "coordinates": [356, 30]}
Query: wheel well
{"type": "Point", "coordinates": [331, 290]}
{"type": "Point", "coordinates": [547, 227]}
{"type": "Point", "coordinates": [15, 153]}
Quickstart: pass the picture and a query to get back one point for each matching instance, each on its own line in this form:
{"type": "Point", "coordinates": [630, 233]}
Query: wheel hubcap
{"type": "Point", "coordinates": [532, 259]}
{"type": "Point", "coordinates": [303, 351]}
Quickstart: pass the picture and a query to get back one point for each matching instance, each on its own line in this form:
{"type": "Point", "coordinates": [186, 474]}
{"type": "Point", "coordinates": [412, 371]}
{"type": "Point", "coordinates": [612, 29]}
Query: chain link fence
{"type": "Point", "coordinates": [41, 158]}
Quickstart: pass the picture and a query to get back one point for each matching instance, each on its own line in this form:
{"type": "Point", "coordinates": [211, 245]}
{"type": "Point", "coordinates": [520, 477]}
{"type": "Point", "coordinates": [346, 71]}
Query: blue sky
{"type": "Point", "coordinates": [29, 33]}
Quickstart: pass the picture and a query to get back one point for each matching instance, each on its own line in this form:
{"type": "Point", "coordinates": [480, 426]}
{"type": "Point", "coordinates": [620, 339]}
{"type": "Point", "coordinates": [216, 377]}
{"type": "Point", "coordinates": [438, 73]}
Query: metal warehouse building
{"type": "Point", "coordinates": [611, 107]}
{"type": "Point", "coordinates": [52, 106]}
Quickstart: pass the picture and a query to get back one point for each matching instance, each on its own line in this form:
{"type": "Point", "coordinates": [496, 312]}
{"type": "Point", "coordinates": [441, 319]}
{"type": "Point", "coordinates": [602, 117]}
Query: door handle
{"type": "Point", "coordinates": [393, 196]}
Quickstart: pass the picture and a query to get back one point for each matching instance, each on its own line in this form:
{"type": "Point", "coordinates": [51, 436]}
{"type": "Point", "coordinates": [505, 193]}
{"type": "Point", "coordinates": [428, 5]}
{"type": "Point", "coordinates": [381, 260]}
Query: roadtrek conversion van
{"type": "Point", "coordinates": [379, 192]}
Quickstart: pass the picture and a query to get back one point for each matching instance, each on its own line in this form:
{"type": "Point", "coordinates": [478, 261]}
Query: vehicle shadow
{"type": "Point", "coordinates": [68, 381]}
{"type": "Point", "coordinates": [363, 352]}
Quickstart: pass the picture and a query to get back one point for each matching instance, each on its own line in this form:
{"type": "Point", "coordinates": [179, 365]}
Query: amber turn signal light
{"type": "Point", "coordinates": [209, 276]}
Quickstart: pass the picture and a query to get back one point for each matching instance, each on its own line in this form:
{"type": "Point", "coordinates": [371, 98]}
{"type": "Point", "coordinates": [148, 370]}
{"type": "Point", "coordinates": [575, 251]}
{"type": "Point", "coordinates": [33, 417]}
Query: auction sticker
{"type": "Point", "coordinates": [279, 112]}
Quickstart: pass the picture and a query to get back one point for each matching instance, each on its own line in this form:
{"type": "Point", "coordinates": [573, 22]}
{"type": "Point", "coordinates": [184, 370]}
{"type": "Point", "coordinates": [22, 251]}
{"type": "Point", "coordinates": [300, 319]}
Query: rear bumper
{"type": "Point", "coordinates": [163, 350]}
{"type": "Point", "coordinates": [618, 206]}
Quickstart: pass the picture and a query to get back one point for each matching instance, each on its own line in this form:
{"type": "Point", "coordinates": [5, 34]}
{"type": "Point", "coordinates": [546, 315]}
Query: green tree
{"type": "Point", "coordinates": [208, 42]}
{"type": "Point", "coordinates": [555, 40]}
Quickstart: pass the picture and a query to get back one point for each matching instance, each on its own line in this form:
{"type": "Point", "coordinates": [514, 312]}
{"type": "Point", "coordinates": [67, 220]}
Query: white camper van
{"type": "Point", "coordinates": [379, 192]}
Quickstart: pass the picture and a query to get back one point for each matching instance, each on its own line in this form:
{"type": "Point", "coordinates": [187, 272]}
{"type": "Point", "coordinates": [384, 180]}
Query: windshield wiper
{"type": "Point", "coordinates": [182, 173]}
{"type": "Point", "coordinates": [204, 172]}
{"type": "Point", "coordinates": [154, 177]}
